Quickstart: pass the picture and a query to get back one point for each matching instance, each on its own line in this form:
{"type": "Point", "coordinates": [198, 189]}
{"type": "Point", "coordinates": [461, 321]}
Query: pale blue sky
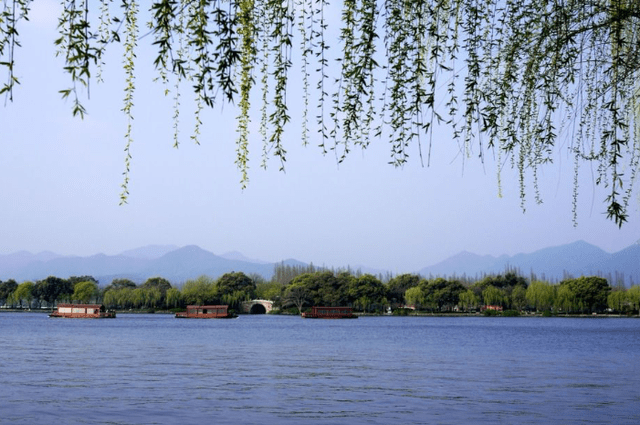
{"type": "Point", "coordinates": [61, 181]}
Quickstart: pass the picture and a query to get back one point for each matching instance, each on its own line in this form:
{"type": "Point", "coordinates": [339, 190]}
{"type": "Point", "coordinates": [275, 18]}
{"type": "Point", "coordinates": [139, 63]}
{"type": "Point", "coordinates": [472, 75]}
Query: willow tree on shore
{"type": "Point", "coordinates": [523, 80]}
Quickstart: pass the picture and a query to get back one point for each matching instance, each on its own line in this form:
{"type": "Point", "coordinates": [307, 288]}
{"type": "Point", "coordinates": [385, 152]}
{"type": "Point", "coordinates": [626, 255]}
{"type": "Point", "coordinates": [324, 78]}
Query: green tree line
{"type": "Point", "coordinates": [297, 288]}
{"type": "Point", "coordinates": [509, 291]}
{"type": "Point", "coordinates": [156, 292]}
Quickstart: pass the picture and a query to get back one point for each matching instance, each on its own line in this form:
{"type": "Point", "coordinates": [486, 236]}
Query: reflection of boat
{"type": "Point", "coordinates": [330, 313]}
{"type": "Point", "coordinates": [205, 312]}
{"type": "Point", "coordinates": [83, 311]}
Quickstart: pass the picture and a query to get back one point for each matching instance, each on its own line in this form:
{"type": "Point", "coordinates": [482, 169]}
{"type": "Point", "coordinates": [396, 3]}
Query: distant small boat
{"type": "Point", "coordinates": [330, 313]}
{"type": "Point", "coordinates": [205, 312]}
{"type": "Point", "coordinates": [83, 311]}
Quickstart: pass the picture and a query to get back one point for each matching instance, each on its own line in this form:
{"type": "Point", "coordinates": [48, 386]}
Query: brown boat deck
{"type": "Point", "coordinates": [205, 312]}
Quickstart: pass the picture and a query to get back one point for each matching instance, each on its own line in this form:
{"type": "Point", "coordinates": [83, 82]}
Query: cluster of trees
{"type": "Point", "coordinates": [326, 288]}
{"type": "Point", "coordinates": [573, 295]}
{"type": "Point", "coordinates": [49, 291]}
{"type": "Point", "coordinates": [302, 287]}
{"type": "Point", "coordinates": [509, 291]}
{"type": "Point", "coordinates": [231, 289]}
{"type": "Point", "coordinates": [156, 292]}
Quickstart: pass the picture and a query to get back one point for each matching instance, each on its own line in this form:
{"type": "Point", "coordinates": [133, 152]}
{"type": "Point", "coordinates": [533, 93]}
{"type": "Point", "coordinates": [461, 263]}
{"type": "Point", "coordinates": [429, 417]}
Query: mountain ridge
{"type": "Point", "coordinates": [555, 263]}
{"type": "Point", "coordinates": [179, 264]}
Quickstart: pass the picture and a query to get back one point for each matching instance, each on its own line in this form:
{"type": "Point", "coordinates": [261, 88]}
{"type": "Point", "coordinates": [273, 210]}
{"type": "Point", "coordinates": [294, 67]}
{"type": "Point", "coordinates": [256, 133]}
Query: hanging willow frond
{"type": "Point", "coordinates": [75, 45]}
{"type": "Point", "coordinates": [12, 13]}
{"type": "Point", "coordinates": [247, 33]}
{"type": "Point", "coordinates": [130, 43]}
{"type": "Point", "coordinates": [530, 79]}
{"type": "Point", "coordinates": [281, 20]}
{"type": "Point", "coordinates": [352, 117]}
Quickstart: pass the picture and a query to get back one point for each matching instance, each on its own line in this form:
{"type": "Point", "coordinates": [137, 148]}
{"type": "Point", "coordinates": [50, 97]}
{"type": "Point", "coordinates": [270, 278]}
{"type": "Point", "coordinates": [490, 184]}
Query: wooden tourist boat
{"type": "Point", "coordinates": [205, 312]}
{"type": "Point", "coordinates": [330, 313]}
{"type": "Point", "coordinates": [83, 311]}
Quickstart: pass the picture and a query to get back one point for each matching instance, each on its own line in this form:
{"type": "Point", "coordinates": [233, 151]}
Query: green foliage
{"type": "Point", "coordinates": [541, 295]}
{"type": "Point", "coordinates": [84, 292]}
{"type": "Point", "coordinates": [443, 294]}
{"type": "Point", "coordinates": [234, 288]}
{"type": "Point", "coordinates": [284, 273]}
{"type": "Point", "coordinates": [566, 299]}
{"type": "Point", "coordinates": [517, 77]}
{"type": "Point", "coordinates": [297, 293]}
{"type": "Point", "coordinates": [468, 300]}
{"type": "Point", "coordinates": [436, 295]}
{"type": "Point", "coordinates": [236, 281]}
{"type": "Point", "coordinates": [511, 313]}
{"type": "Point", "coordinates": [162, 284]}
{"type": "Point", "coordinates": [398, 285]}
{"type": "Point", "coordinates": [415, 296]}
{"type": "Point", "coordinates": [367, 293]}
{"type": "Point", "coordinates": [54, 289]}
{"type": "Point", "coordinates": [493, 296]}
{"type": "Point", "coordinates": [402, 312]}
{"type": "Point", "coordinates": [511, 287]}
{"type": "Point", "coordinates": [131, 35]}
{"type": "Point", "coordinates": [24, 292]}
{"type": "Point", "coordinates": [591, 293]}
{"type": "Point", "coordinates": [201, 291]}
{"type": "Point", "coordinates": [10, 15]}
{"type": "Point", "coordinates": [120, 283]}
{"type": "Point", "coordinates": [634, 297]}
{"type": "Point", "coordinates": [269, 291]}
{"type": "Point", "coordinates": [73, 280]}
{"type": "Point", "coordinates": [618, 301]}
{"type": "Point", "coordinates": [75, 46]}
{"type": "Point", "coordinates": [174, 297]}
{"type": "Point", "coordinates": [519, 297]}
{"type": "Point", "coordinates": [155, 292]}
{"type": "Point", "coordinates": [247, 34]}
{"type": "Point", "coordinates": [122, 297]}
{"type": "Point", "coordinates": [325, 288]}
{"type": "Point", "coordinates": [6, 289]}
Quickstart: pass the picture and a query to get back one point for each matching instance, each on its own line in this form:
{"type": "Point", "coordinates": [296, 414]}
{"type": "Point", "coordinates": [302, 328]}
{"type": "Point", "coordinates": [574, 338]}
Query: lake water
{"type": "Point", "coordinates": [154, 369]}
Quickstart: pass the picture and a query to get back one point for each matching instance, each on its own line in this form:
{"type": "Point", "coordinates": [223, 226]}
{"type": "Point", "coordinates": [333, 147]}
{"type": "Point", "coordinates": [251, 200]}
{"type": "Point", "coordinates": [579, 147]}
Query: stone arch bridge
{"type": "Point", "coordinates": [257, 306]}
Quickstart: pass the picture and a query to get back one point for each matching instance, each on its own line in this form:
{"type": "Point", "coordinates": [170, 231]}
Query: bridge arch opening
{"type": "Point", "coordinates": [258, 309]}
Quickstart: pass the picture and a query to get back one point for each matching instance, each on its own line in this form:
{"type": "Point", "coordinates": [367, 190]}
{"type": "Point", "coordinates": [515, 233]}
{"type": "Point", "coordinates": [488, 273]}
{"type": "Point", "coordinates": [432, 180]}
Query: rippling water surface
{"type": "Point", "coordinates": [154, 369]}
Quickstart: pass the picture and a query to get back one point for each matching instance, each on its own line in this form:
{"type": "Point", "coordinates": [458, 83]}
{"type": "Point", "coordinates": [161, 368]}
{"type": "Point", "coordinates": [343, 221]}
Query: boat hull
{"type": "Point", "coordinates": [202, 316]}
{"type": "Point", "coordinates": [110, 315]}
{"type": "Point", "coordinates": [83, 311]}
{"type": "Point", "coordinates": [329, 313]}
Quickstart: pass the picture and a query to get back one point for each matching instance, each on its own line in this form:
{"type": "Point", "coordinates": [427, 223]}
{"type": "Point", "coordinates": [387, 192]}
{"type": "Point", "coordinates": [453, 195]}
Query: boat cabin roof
{"type": "Point", "coordinates": [79, 305]}
{"type": "Point", "coordinates": [207, 306]}
{"type": "Point", "coordinates": [335, 308]}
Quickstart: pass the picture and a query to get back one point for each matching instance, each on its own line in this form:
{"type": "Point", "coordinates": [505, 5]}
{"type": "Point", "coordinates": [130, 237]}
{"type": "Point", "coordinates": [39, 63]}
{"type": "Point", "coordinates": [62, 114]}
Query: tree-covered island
{"type": "Point", "coordinates": [296, 288]}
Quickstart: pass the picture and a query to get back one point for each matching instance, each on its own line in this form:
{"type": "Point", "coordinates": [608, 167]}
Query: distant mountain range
{"type": "Point", "coordinates": [174, 264]}
{"type": "Point", "coordinates": [181, 264]}
{"type": "Point", "coordinates": [552, 264]}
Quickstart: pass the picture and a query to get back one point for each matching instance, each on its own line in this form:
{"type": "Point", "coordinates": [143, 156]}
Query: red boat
{"type": "Point", "coordinates": [83, 311]}
{"type": "Point", "coordinates": [205, 312]}
{"type": "Point", "coordinates": [330, 313]}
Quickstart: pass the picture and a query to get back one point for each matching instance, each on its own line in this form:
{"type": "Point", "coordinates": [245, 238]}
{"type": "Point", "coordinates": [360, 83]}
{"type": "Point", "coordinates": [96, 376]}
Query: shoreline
{"type": "Point", "coordinates": [416, 314]}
